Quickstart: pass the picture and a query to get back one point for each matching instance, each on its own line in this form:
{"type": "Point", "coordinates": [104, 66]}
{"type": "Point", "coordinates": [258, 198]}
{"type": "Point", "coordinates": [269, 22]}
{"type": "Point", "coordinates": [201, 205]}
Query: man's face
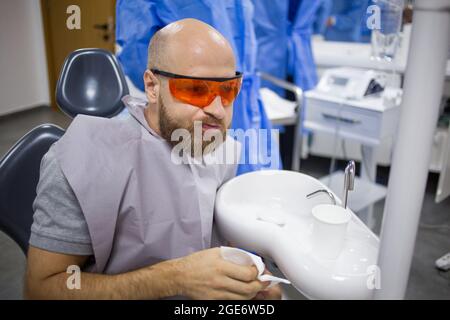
{"type": "Point", "coordinates": [191, 49]}
{"type": "Point", "coordinates": [174, 114]}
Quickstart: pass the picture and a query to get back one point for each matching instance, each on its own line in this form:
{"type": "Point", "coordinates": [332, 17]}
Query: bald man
{"type": "Point", "coordinates": [115, 215]}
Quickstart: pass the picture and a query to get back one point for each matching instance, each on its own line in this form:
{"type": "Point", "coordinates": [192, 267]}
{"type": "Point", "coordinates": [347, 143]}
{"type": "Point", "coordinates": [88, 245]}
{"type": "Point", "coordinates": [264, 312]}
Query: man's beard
{"type": "Point", "coordinates": [167, 125]}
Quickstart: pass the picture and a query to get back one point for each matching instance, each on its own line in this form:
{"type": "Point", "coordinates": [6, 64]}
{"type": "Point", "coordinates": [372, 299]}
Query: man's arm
{"type": "Point", "coordinates": [200, 275]}
{"type": "Point", "coordinates": [46, 278]}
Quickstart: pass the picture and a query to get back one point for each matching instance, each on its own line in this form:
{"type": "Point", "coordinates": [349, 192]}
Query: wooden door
{"type": "Point", "coordinates": [96, 30]}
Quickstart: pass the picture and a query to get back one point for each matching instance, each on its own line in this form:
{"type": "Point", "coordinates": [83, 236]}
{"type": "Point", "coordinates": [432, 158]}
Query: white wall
{"type": "Point", "coordinates": [23, 64]}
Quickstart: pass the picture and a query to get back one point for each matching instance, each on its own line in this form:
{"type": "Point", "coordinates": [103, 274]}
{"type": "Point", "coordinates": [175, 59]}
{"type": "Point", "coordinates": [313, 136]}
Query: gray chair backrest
{"type": "Point", "coordinates": [19, 176]}
{"type": "Point", "coordinates": [92, 83]}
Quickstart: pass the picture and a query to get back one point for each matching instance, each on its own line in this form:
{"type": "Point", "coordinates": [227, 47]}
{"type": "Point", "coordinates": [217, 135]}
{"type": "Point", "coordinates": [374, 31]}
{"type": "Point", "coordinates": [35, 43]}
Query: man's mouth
{"type": "Point", "coordinates": [209, 126]}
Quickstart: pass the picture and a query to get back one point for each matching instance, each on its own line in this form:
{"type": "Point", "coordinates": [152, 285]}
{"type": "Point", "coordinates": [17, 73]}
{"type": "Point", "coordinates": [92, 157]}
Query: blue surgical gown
{"type": "Point", "coordinates": [283, 30]}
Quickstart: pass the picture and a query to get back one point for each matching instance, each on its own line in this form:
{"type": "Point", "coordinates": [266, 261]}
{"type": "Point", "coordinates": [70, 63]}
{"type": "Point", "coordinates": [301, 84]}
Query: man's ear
{"type": "Point", "coordinates": [152, 86]}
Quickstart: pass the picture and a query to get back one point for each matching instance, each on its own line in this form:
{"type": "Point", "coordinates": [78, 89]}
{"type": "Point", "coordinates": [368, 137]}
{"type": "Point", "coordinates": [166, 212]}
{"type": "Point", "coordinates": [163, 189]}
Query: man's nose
{"type": "Point", "coordinates": [215, 108]}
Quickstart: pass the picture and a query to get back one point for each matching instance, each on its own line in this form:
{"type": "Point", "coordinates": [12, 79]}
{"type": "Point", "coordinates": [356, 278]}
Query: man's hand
{"type": "Point", "coordinates": [272, 293]}
{"type": "Point", "coordinates": [206, 275]}
{"type": "Point", "coordinates": [331, 21]}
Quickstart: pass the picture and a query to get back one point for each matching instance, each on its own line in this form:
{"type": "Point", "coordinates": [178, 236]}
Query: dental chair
{"type": "Point", "coordinates": [92, 83]}
{"type": "Point", "coordinates": [19, 176]}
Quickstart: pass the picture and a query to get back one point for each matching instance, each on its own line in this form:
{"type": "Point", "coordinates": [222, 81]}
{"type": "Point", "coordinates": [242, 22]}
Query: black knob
{"type": "Point", "coordinates": [103, 26]}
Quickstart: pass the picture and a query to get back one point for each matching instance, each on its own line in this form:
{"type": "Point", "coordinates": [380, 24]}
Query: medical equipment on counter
{"type": "Point", "coordinates": [351, 83]}
{"type": "Point", "coordinates": [348, 113]}
{"type": "Point", "coordinates": [267, 212]}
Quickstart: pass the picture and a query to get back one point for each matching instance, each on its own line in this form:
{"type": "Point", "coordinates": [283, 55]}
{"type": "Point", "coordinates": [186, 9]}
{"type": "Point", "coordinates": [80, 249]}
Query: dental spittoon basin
{"type": "Point", "coordinates": [267, 212]}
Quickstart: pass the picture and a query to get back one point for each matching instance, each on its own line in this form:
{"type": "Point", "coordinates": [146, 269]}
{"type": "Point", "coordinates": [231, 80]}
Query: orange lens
{"type": "Point", "coordinates": [201, 93]}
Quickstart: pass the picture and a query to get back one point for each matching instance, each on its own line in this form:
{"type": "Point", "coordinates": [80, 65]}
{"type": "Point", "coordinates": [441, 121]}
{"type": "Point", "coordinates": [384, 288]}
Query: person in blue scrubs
{"type": "Point", "coordinates": [345, 22]}
{"type": "Point", "coordinates": [283, 31]}
{"type": "Point", "coordinates": [322, 14]}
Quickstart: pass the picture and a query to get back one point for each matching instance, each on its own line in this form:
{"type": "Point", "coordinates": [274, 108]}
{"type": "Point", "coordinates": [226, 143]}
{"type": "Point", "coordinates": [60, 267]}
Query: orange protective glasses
{"type": "Point", "coordinates": [201, 92]}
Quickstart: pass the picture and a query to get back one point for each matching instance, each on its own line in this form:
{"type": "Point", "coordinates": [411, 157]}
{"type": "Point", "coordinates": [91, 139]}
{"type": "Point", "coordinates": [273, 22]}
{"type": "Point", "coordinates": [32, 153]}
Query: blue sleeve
{"type": "Point", "coordinates": [322, 15]}
{"type": "Point", "coordinates": [352, 16]}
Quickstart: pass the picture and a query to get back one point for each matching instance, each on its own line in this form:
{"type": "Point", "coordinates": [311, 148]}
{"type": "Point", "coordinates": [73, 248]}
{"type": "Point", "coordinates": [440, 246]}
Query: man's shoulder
{"type": "Point", "coordinates": [84, 125]}
{"type": "Point", "coordinates": [90, 129]}
{"type": "Point", "coordinates": [90, 123]}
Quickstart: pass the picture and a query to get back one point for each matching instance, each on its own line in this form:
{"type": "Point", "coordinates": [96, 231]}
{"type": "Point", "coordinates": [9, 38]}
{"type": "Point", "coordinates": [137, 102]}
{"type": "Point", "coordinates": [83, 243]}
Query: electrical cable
{"type": "Point", "coordinates": [336, 142]}
{"type": "Point", "coordinates": [344, 150]}
{"type": "Point", "coordinates": [365, 165]}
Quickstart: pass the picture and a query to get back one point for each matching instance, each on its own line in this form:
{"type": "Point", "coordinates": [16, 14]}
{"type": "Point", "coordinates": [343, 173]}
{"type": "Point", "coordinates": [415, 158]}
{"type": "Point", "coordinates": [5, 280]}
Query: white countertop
{"type": "Point", "coordinates": [347, 54]}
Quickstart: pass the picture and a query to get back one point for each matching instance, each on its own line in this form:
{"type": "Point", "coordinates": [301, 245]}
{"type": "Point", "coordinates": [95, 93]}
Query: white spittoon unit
{"type": "Point", "coordinates": [268, 212]}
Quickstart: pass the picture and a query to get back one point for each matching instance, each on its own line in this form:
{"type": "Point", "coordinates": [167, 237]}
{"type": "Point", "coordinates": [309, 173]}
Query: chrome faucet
{"type": "Point", "coordinates": [349, 180]}
{"type": "Point", "coordinates": [315, 193]}
{"type": "Point", "coordinates": [349, 184]}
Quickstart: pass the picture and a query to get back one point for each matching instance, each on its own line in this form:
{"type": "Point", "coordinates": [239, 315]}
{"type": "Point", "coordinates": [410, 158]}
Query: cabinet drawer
{"type": "Point", "coordinates": [351, 122]}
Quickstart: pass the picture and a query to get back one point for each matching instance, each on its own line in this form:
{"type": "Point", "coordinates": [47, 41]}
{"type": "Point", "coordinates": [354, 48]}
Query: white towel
{"type": "Point", "coordinates": [245, 258]}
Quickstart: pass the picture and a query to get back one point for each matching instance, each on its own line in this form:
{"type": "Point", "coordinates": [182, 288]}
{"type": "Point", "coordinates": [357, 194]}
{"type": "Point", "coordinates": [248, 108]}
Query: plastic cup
{"type": "Point", "coordinates": [329, 229]}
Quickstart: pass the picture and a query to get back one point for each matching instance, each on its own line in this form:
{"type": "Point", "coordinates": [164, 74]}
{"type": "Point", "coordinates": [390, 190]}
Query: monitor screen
{"type": "Point", "coordinates": [338, 81]}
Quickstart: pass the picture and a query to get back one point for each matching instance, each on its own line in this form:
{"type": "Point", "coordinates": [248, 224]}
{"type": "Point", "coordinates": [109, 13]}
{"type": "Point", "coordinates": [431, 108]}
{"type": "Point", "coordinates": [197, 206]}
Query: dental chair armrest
{"type": "Point", "coordinates": [298, 92]}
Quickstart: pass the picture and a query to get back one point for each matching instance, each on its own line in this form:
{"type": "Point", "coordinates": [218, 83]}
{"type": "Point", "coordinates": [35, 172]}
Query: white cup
{"type": "Point", "coordinates": [329, 230]}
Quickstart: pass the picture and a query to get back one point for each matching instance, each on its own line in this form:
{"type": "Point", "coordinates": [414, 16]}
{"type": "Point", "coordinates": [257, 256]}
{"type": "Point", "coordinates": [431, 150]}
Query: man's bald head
{"type": "Point", "coordinates": [190, 46]}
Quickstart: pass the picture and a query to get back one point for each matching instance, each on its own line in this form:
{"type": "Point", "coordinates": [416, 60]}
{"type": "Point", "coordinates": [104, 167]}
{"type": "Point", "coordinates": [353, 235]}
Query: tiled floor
{"type": "Point", "coordinates": [432, 242]}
